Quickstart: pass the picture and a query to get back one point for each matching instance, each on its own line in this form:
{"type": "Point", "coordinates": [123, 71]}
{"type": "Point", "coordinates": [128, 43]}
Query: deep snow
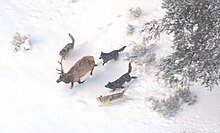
{"type": "Point", "coordinates": [32, 102]}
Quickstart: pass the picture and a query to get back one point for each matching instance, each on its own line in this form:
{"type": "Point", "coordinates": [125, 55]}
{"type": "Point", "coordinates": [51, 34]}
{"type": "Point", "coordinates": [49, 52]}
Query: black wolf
{"type": "Point", "coordinates": [119, 82]}
{"type": "Point", "coordinates": [112, 55]}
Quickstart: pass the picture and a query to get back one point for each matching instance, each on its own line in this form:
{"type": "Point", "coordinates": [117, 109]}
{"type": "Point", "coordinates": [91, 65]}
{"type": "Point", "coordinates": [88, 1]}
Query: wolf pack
{"type": "Point", "coordinates": [87, 64]}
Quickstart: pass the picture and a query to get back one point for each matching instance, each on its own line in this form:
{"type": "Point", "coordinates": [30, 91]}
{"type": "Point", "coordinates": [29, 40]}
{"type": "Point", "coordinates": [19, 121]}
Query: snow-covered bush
{"type": "Point", "coordinates": [152, 29]}
{"type": "Point", "coordinates": [21, 42]}
{"type": "Point", "coordinates": [141, 55]}
{"type": "Point", "coordinates": [74, 1]}
{"type": "Point", "coordinates": [195, 27]}
{"type": "Point", "coordinates": [171, 105]}
{"type": "Point", "coordinates": [130, 29]}
{"type": "Point", "coordinates": [16, 41]}
{"type": "Point", "coordinates": [134, 12]}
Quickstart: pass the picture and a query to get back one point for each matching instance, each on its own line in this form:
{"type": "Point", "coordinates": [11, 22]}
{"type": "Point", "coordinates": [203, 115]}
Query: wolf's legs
{"type": "Point", "coordinates": [116, 57]}
{"type": "Point", "coordinates": [104, 63]}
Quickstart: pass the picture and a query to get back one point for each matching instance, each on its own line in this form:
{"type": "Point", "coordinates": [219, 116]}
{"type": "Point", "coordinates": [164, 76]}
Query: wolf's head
{"type": "Point", "coordinates": [63, 53]}
{"type": "Point", "coordinates": [99, 98]}
{"type": "Point", "coordinates": [110, 85]}
{"type": "Point", "coordinates": [101, 55]}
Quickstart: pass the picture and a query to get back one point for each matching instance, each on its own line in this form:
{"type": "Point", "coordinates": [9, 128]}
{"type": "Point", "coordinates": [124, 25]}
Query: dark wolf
{"type": "Point", "coordinates": [119, 82]}
{"type": "Point", "coordinates": [112, 55]}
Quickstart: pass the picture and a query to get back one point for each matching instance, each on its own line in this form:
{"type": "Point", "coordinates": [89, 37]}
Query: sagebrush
{"type": "Point", "coordinates": [20, 41]}
{"type": "Point", "coordinates": [141, 54]}
{"type": "Point", "coordinates": [170, 106]}
{"type": "Point", "coordinates": [134, 12]}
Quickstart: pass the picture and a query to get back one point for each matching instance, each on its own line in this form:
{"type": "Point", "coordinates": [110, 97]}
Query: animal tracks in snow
{"type": "Point", "coordinates": [105, 27]}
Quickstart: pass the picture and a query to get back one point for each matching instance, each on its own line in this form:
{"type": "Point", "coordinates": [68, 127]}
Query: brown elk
{"type": "Point", "coordinates": [78, 70]}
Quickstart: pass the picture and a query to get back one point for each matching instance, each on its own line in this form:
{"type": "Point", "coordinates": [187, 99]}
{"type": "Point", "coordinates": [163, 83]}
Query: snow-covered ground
{"type": "Point", "coordinates": [32, 102]}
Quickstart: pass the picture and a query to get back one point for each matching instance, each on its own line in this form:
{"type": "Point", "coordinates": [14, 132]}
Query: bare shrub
{"type": "Point", "coordinates": [171, 105]}
{"type": "Point", "coordinates": [134, 12]}
{"type": "Point", "coordinates": [19, 42]}
{"type": "Point", "coordinates": [130, 29]}
{"type": "Point", "coordinates": [141, 55]}
{"type": "Point", "coordinates": [16, 41]}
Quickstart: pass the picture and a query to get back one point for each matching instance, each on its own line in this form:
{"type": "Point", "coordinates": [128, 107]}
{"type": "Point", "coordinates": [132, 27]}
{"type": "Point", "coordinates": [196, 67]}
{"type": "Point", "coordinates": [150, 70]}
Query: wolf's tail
{"type": "Point", "coordinates": [73, 41]}
{"type": "Point", "coordinates": [129, 68]}
{"type": "Point", "coordinates": [121, 49]}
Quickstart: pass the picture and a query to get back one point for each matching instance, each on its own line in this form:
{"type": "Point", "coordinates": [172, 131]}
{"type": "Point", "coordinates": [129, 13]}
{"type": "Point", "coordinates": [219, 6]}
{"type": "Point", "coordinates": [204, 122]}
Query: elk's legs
{"type": "Point", "coordinates": [80, 82]}
{"type": "Point", "coordinates": [72, 83]}
{"type": "Point", "coordinates": [93, 69]}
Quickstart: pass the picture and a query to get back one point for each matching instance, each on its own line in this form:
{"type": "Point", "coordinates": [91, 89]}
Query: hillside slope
{"type": "Point", "coordinates": [31, 100]}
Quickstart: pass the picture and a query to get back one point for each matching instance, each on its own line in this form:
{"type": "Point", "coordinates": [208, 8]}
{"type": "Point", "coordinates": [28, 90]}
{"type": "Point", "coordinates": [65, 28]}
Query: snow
{"type": "Point", "coordinates": [32, 102]}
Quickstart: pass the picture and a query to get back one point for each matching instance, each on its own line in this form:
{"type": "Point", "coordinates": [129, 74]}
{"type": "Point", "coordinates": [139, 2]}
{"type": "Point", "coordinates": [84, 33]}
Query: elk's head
{"type": "Point", "coordinates": [64, 77]}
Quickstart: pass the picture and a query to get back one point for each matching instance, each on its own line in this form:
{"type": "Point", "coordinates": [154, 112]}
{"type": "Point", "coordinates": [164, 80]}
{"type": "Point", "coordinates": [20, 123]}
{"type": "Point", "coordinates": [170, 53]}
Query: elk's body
{"type": "Point", "coordinates": [78, 70]}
